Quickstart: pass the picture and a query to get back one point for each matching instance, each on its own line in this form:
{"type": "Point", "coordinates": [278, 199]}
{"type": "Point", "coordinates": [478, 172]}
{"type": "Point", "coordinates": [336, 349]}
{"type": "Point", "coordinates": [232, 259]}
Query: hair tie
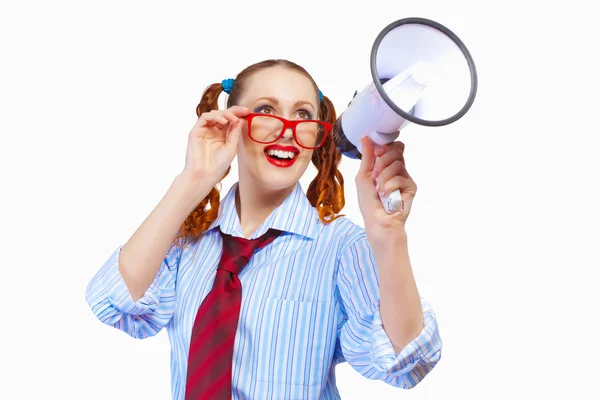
{"type": "Point", "coordinates": [227, 85]}
{"type": "Point", "coordinates": [320, 96]}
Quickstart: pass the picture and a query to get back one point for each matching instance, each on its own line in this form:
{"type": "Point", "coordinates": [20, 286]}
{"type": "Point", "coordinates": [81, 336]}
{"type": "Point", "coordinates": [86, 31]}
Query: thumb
{"type": "Point", "coordinates": [368, 155]}
{"type": "Point", "coordinates": [233, 136]}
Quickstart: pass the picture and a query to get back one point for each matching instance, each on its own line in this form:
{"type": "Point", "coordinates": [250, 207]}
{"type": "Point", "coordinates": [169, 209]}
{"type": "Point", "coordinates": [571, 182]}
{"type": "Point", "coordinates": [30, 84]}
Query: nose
{"type": "Point", "coordinates": [288, 134]}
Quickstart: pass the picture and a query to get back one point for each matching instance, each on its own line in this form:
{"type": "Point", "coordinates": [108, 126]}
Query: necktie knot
{"type": "Point", "coordinates": [237, 251]}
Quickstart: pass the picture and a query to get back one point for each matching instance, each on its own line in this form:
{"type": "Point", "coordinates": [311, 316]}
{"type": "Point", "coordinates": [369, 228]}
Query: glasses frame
{"type": "Point", "coordinates": [289, 124]}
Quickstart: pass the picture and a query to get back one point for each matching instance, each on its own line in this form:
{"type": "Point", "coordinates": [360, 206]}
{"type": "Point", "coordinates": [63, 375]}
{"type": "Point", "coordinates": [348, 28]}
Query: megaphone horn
{"type": "Point", "coordinates": [422, 73]}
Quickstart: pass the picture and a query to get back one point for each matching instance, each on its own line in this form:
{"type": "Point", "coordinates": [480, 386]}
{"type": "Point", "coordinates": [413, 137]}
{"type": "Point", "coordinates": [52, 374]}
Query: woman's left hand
{"type": "Point", "coordinates": [382, 169]}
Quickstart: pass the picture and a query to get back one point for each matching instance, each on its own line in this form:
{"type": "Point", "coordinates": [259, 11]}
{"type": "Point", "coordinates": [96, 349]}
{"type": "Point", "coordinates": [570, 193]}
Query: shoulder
{"type": "Point", "coordinates": [342, 232]}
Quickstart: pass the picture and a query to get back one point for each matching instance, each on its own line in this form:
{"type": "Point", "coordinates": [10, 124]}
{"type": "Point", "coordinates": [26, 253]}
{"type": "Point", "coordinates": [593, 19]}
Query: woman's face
{"type": "Point", "coordinates": [284, 93]}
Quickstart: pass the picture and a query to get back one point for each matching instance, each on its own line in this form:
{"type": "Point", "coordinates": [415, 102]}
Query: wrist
{"type": "Point", "coordinates": [191, 190]}
{"type": "Point", "coordinates": [377, 234]}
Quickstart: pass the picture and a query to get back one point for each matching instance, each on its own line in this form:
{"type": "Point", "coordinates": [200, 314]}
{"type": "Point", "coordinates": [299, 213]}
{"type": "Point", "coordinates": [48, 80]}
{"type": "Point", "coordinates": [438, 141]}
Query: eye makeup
{"type": "Point", "coordinates": [262, 107]}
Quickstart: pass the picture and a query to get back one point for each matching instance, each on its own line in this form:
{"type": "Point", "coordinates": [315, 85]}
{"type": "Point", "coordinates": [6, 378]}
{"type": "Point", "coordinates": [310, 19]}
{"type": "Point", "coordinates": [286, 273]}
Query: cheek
{"type": "Point", "coordinates": [306, 157]}
{"type": "Point", "coordinates": [248, 148]}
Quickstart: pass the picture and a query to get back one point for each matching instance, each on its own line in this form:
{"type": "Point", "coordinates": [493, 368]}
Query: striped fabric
{"type": "Point", "coordinates": [310, 301]}
{"type": "Point", "coordinates": [210, 359]}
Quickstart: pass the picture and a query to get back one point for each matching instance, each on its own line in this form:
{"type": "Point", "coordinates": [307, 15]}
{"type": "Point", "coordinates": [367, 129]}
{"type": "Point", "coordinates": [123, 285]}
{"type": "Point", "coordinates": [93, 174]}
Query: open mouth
{"type": "Point", "coordinates": [281, 158]}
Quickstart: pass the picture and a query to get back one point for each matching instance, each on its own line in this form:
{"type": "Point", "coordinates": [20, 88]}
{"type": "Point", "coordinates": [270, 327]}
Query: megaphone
{"type": "Point", "coordinates": [422, 73]}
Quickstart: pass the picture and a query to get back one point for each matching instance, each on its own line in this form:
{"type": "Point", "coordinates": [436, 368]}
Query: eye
{"type": "Point", "coordinates": [304, 114]}
{"type": "Point", "coordinates": [264, 108]}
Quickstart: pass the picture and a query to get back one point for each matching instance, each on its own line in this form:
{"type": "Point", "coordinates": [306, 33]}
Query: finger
{"type": "Point", "coordinates": [231, 117]}
{"type": "Point", "coordinates": [367, 155]}
{"type": "Point", "coordinates": [233, 136]}
{"type": "Point", "coordinates": [396, 168]}
{"type": "Point", "coordinates": [387, 159]}
{"type": "Point", "coordinates": [212, 118]}
{"type": "Point", "coordinates": [395, 145]}
{"type": "Point", "coordinates": [218, 122]}
{"type": "Point", "coordinates": [239, 111]}
{"type": "Point", "coordinates": [380, 150]}
{"type": "Point", "coordinates": [395, 183]}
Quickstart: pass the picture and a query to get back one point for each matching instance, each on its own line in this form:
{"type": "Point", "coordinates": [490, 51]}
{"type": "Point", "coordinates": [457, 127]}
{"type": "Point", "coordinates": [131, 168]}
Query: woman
{"type": "Point", "coordinates": [311, 296]}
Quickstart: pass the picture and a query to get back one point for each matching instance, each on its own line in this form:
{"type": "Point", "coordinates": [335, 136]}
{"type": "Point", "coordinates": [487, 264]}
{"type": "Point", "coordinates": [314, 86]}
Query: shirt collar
{"type": "Point", "coordinates": [295, 215]}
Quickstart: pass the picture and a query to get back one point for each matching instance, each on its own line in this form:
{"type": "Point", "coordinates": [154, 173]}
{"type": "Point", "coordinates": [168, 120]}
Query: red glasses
{"type": "Point", "coordinates": [267, 128]}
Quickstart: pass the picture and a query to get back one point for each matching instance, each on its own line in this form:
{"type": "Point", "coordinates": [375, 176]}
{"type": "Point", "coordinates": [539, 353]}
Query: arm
{"type": "Point", "coordinates": [363, 341]}
{"type": "Point", "coordinates": [135, 289]}
{"type": "Point", "coordinates": [141, 256]}
{"type": "Point", "coordinates": [400, 301]}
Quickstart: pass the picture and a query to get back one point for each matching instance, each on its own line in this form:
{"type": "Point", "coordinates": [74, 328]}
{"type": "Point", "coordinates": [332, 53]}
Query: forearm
{"type": "Point", "coordinates": [142, 255]}
{"type": "Point", "coordinates": [400, 303]}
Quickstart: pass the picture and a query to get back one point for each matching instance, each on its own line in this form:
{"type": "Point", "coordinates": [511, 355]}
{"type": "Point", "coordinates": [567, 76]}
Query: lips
{"type": "Point", "coordinates": [282, 163]}
{"type": "Point", "coordinates": [282, 148]}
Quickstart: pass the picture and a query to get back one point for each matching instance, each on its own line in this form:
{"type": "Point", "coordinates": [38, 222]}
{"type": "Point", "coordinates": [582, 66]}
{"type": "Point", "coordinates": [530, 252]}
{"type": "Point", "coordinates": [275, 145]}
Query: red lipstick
{"type": "Point", "coordinates": [281, 162]}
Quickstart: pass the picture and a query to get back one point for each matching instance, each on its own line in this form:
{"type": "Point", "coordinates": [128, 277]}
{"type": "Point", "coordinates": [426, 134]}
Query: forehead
{"type": "Point", "coordinates": [282, 83]}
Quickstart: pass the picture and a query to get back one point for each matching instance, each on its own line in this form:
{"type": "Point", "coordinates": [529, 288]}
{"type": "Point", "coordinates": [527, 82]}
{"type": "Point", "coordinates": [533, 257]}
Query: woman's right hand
{"type": "Point", "coordinates": [212, 143]}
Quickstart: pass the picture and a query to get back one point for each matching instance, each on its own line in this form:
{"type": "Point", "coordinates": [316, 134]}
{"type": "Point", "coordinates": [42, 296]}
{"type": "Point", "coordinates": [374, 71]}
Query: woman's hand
{"type": "Point", "coordinates": [382, 169]}
{"type": "Point", "coordinates": [212, 143]}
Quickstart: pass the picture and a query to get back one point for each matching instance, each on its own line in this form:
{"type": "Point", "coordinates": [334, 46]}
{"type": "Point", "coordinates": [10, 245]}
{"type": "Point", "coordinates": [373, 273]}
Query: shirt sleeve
{"type": "Point", "coordinates": [362, 341]}
{"type": "Point", "coordinates": [111, 302]}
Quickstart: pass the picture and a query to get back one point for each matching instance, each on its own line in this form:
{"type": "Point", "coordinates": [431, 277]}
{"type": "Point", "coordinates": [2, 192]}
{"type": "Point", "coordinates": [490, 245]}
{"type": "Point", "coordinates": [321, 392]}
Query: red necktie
{"type": "Point", "coordinates": [210, 357]}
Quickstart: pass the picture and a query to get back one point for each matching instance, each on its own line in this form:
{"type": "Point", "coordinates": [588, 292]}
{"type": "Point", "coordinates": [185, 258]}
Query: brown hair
{"type": "Point", "coordinates": [325, 192]}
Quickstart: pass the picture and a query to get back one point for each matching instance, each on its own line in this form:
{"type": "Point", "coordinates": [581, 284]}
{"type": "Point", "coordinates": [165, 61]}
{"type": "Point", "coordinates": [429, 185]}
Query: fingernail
{"type": "Point", "coordinates": [377, 187]}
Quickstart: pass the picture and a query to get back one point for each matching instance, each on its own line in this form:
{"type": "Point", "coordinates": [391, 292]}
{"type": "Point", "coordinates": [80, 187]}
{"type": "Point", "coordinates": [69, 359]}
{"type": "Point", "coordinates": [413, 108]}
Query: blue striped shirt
{"type": "Point", "coordinates": [310, 301]}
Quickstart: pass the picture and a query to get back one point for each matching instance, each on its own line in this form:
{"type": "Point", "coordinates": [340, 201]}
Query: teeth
{"type": "Point", "coordinates": [280, 153]}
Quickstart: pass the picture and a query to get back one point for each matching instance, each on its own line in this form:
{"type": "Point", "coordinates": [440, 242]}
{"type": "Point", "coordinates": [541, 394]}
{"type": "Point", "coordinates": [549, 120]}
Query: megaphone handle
{"type": "Point", "coordinates": [393, 202]}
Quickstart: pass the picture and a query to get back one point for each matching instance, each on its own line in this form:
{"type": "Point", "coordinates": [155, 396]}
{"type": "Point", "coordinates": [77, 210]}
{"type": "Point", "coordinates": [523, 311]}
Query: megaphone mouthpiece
{"type": "Point", "coordinates": [422, 73]}
{"type": "Point", "coordinates": [406, 88]}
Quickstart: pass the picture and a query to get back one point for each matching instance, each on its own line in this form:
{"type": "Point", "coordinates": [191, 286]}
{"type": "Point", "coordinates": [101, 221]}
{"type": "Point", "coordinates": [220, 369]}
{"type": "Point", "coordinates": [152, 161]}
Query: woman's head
{"type": "Point", "coordinates": [274, 91]}
{"type": "Point", "coordinates": [285, 89]}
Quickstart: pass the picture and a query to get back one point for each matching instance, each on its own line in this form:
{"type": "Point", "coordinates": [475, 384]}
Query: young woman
{"type": "Point", "coordinates": [322, 291]}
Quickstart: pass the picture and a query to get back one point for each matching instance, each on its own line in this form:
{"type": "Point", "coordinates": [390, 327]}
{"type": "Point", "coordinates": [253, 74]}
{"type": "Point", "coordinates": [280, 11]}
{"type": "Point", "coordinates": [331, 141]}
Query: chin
{"type": "Point", "coordinates": [278, 181]}
{"type": "Point", "coordinates": [274, 178]}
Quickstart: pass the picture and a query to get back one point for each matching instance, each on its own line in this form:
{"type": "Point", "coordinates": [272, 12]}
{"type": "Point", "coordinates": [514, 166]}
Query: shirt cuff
{"type": "Point", "coordinates": [425, 348]}
{"type": "Point", "coordinates": [118, 293]}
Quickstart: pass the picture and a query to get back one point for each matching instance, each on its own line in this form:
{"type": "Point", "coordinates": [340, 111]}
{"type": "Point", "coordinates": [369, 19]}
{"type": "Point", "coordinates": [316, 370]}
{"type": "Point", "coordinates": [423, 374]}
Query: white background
{"type": "Point", "coordinates": [97, 100]}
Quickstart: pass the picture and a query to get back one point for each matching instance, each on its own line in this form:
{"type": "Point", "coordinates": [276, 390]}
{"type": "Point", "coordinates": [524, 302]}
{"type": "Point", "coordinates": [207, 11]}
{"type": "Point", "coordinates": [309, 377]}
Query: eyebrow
{"type": "Point", "coordinates": [274, 100]}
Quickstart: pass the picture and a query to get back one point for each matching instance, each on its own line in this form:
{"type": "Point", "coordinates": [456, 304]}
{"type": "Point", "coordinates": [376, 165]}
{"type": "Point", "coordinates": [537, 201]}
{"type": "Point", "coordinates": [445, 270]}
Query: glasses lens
{"type": "Point", "coordinates": [310, 134]}
{"type": "Point", "coordinates": [265, 129]}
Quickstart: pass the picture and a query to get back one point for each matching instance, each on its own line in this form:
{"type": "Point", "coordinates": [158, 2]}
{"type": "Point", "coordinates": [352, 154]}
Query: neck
{"type": "Point", "coordinates": [255, 203]}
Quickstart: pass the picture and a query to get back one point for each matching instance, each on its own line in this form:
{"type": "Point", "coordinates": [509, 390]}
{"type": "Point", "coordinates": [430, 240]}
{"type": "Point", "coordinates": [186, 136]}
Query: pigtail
{"type": "Point", "coordinates": [326, 191]}
{"type": "Point", "coordinates": [210, 98]}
